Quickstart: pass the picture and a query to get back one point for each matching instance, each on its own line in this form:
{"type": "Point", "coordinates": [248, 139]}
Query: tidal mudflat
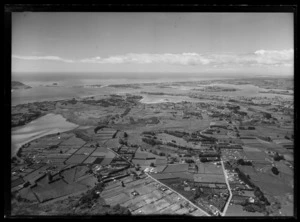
{"type": "Point", "coordinates": [45, 125]}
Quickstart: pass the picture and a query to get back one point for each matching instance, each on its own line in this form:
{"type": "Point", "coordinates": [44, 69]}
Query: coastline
{"type": "Point", "coordinates": [38, 128]}
{"type": "Point", "coordinates": [147, 99]}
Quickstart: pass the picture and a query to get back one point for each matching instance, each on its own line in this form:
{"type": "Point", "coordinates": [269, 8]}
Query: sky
{"type": "Point", "coordinates": [260, 43]}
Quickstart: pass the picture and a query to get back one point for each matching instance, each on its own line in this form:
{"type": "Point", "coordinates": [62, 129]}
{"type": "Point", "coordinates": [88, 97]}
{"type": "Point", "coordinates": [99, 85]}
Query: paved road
{"type": "Point", "coordinates": [205, 213]}
{"type": "Point", "coordinates": [228, 186]}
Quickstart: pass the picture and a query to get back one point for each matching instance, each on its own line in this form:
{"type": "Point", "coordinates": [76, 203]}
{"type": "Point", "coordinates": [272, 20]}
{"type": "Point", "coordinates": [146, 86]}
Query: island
{"type": "Point", "coordinates": [15, 85]}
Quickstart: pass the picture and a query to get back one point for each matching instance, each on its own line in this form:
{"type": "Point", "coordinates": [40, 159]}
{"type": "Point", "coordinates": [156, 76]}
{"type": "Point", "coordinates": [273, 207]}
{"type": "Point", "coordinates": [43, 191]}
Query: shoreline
{"type": "Point", "coordinates": [32, 131]}
{"type": "Point", "coordinates": [142, 83]}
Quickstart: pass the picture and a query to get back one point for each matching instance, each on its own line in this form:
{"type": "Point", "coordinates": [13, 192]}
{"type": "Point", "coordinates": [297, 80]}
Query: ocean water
{"type": "Point", "coordinates": [70, 85]}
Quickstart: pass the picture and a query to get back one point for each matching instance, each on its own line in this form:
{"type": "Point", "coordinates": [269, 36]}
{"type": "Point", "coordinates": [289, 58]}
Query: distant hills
{"type": "Point", "coordinates": [18, 85]}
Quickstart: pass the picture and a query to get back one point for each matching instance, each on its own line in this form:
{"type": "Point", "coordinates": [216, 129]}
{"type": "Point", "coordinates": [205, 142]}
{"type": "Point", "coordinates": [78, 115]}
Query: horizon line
{"type": "Point", "coordinates": [187, 72]}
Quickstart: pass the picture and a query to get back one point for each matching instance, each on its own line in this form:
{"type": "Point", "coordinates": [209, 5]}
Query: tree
{"type": "Point", "coordinates": [267, 115]}
{"type": "Point", "coordinates": [198, 193]}
{"type": "Point", "coordinates": [278, 157]}
{"type": "Point", "coordinates": [152, 164]}
{"type": "Point", "coordinates": [259, 194]}
{"type": "Point", "coordinates": [286, 137]}
{"type": "Point", "coordinates": [98, 128]}
{"type": "Point", "coordinates": [203, 159]}
{"type": "Point", "coordinates": [49, 175]}
{"type": "Point", "coordinates": [189, 161]}
{"type": "Point", "coordinates": [251, 208]}
{"type": "Point", "coordinates": [275, 170]}
{"type": "Point", "coordinates": [137, 167]}
{"type": "Point", "coordinates": [116, 207]}
{"type": "Point", "coordinates": [242, 162]}
{"type": "Point", "coordinates": [135, 176]}
{"type": "Point", "coordinates": [125, 135]}
{"type": "Point", "coordinates": [123, 142]}
{"type": "Point", "coordinates": [196, 167]}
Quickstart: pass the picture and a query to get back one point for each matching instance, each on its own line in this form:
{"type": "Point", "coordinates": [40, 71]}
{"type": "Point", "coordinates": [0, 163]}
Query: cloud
{"type": "Point", "coordinates": [144, 58]}
{"type": "Point", "coordinates": [261, 58]}
{"type": "Point", "coordinates": [49, 58]}
{"type": "Point", "coordinates": [257, 58]}
{"type": "Point", "coordinates": [273, 57]}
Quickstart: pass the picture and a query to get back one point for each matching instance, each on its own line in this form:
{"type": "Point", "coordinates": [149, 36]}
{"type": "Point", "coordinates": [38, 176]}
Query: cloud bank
{"type": "Point", "coordinates": [273, 58]}
{"type": "Point", "coordinates": [49, 58]}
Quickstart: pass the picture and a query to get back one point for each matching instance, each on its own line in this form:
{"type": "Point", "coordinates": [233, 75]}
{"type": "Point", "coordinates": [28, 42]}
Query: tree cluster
{"type": "Point", "coordinates": [243, 162]}
{"type": "Point", "coordinates": [216, 154]}
{"type": "Point", "coordinates": [89, 198]}
{"type": "Point", "coordinates": [189, 161]}
{"type": "Point", "coordinates": [260, 195]}
{"type": "Point", "coordinates": [267, 115]}
{"type": "Point", "coordinates": [98, 128]}
{"type": "Point", "coordinates": [151, 142]}
{"type": "Point", "coordinates": [149, 133]}
{"type": "Point", "coordinates": [254, 207]}
{"type": "Point", "coordinates": [177, 133]}
{"type": "Point", "coordinates": [244, 177]}
{"type": "Point", "coordinates": [119, 210]}
{"type": "Point", "coordinates": [205, 159]}
{"type": "Point", "coordinates": [278, 157]}
{"type": "Point", "coordinates": [82, 136]}
{"type": "Point", "coordinates": [123, 142]}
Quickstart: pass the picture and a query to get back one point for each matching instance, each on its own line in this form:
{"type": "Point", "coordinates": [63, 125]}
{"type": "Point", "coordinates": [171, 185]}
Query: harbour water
{"type": "Point", "coordinates": [45, 125]}
{"type": "Point", "coordinates": [56, 86]}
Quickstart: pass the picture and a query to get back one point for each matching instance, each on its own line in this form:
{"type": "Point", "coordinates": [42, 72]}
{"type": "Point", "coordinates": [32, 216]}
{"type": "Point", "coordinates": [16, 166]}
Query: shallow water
{"type": "Point", "coordinates": [45, 125]}
{"type": "Point", "coordinates": [148, 99]}
{"type": "Point", "coordinates": [70, 85]}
